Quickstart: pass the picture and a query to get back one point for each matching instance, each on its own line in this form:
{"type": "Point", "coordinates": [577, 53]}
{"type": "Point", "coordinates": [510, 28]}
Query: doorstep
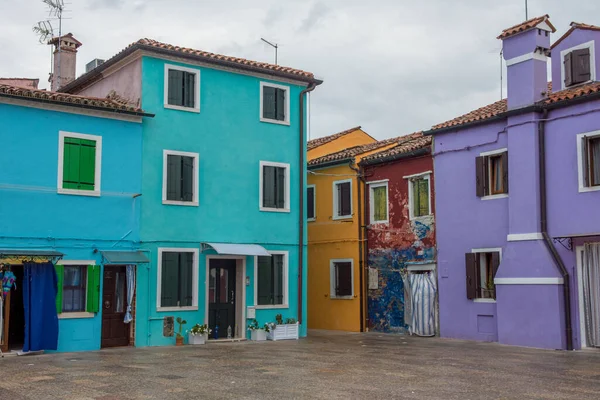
{"type": "Point", "coordinates": [227, 340]}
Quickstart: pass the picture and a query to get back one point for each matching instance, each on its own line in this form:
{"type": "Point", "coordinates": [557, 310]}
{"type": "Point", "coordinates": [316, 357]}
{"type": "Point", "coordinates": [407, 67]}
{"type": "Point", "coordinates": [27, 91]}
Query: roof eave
{"type": "Point", "coordinates": [327, 164]}
{"type": "Point", "coordinates": [409, 154]}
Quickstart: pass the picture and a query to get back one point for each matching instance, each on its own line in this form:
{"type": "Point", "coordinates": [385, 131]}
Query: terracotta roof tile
{"type": "Point", "coordinates": [109, 104]}
{"type": "Point", "coordinates": [524, 26]}
{"type": "Point", "coordinates": [572, 93]}
{"type": "Point", "coordinates": [575, 25]}
{"type": "Point", "coordinates": [413, 142]}
{"type": "Point", "coordinates": [29, 83]}
{"type": "Point", "coordinates": [326, 139]}
{"type": "Point", "coordinates": [483, 113]}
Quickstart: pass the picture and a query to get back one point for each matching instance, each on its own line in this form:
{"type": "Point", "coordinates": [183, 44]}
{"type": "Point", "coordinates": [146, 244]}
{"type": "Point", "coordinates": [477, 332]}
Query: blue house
{"type": "Point", "coordinates": [222, 206]}
{"type": "Point", "coordinates": [70, 185]}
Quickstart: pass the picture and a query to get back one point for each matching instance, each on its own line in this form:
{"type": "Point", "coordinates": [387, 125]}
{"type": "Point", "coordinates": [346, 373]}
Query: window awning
{"type": "Point", "coordinates": [124, 257]}
{"type": "Point", "coordinates": [237, 249]}
{"type": "Point", "coordinates": [33, 253]}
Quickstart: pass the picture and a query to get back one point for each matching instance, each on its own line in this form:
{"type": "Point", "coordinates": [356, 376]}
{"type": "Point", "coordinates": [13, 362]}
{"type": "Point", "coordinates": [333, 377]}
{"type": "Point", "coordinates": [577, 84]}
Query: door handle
{"type": "Point", "coordinates": [232, 297]}
{"type": "Point", "coordinates": [107, 304]}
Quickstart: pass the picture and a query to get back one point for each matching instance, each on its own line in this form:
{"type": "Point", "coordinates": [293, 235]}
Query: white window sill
{"type": "Point", "coordinates": [170, 309]}
{"type": "Point", "coordinates": [180, 108]}
{"type": "Point", "coordinates": [75, 315]}
{"type": "Point", "coordinates": [342, 297]}
{"type": "Point", "coordinates": [484, 301]}
{"type": "Point", "coordinates": [275, 121]}
{"type": "Point", "coordinates": [269, 307]}
{"type": "Point", "coordinates": [341, 217]}
{"type": "Point", "coordinates": [422, 218]}
{"type": "Point", "coordinates": [89, 193]}
{"type": "Point", "coordinates": [386, 222]}
{"type": "Point", "coordinates": [180, 203]}
{"type": "Point", "coordinates": [311, 219]}
{"type": "Point", "coordinates": [589, 189]}
{"type": "Point", "coordinates": [495, 196]}
{"type": "Point", "coordinates": [281, 210]}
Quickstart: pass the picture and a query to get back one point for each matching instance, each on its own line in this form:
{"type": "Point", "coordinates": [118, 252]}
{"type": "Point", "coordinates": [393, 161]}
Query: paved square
{"type": "Point", "coordinates": [325, 365]}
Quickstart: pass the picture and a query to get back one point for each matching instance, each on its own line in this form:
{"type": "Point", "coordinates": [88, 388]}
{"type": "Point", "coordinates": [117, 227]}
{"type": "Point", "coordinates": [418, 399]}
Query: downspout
{"type": "Point", "coordinates": [302, 166]}
{"type": "Point", "coordinates": [544, 228]}
{"type": "Point", "coordinates": [359, 178]}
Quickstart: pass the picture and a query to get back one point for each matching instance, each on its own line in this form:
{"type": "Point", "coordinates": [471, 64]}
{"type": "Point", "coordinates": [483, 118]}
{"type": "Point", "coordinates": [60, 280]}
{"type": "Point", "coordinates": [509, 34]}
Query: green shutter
{"type": "Point", "coordinates": [93, 289]}
{"type": "Point", "coordinates": [71, 163]}
{"type": "Point", "coordinates": [87, 164]}
{"type": "Point", "coordinates": [59, 292]}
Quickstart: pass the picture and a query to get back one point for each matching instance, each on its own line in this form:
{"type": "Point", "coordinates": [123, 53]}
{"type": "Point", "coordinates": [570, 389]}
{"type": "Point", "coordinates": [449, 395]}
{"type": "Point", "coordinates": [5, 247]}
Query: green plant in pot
{"type": "Point", "coordinates": [179, 335]}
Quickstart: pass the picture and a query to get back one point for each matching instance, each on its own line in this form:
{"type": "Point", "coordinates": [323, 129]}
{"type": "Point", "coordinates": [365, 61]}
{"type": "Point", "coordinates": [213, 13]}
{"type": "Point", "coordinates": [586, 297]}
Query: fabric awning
{"type": "Point", "coordinates": [238, 249]}
{"type": "Point", "coordinates": [29, 252]}
{"type": "Point", "coordinates": [124, 257]}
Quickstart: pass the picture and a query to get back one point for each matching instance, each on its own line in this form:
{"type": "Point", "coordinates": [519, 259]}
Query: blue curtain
{"type": "Point", "coordinates": [39, 303]}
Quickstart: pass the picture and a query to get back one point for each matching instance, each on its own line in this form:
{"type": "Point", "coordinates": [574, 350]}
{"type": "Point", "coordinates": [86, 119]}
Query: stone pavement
{"type": "Point", "coordinates": [325, 365]}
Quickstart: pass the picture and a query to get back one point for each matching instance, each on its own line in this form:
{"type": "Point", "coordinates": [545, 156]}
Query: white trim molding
{"type": "Point", "coordinates": [377, 182]}
{"type": "Point", "coordinates": [314, 188]}
{"type": "Point", "coordinates": [285, 281]}
{"type": "Point", "coordinates": [372, 186]}
{"type": "Point", "coordinates": [587, 45]}
{"type": "Point", "coordinates": [263, 164]}
{"type": "Point", "coordinates": [335, 215]}
{"type": "Point", "coordinates": [522, 237]}
{"type": "Point", "coordinates": [98, 169]}
{"type": "Point", "coordinates": [196, 157]}
{"type": "Point", "coordinates": [195, 71]}
{"type": "Point", "coordinates": [526, 57]}
{"type": "Point", "coordinates": [420, 267]}
{"type": "Point", "coordinates": [76, 315]}
{"type": "Point", "coordinates": [417, 175]}
{"type": "Point", "coordinates": [332, 278]}
{"type": "Point", "coordinates": [528, 281]}
{"type": "Point", "coordinates": [580, 155]}
{"type": "Point", "coordinates": [411, 180]}
{"type": "Point", "coordinates": [493, 152]}
{"type": "Point", "coordinates": [286, 121]}
{"type": "Point", "coordinates": [488, 250]}
{"type": "Point", "coordinates": [195, 268]}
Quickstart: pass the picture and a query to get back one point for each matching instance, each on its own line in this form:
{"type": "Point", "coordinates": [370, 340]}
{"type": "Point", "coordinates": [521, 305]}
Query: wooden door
{"type": "Point", "coordinates": [221, 297]}
{"type": "Point", "coordinates": [5, 309]}
{"type": "Point", "coordinates": [115, 332]}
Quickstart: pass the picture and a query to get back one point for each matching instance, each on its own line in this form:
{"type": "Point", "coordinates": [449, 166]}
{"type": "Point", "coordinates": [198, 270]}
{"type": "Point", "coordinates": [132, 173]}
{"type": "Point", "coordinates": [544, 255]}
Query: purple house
{"type": "Point", "coordinates": [517, 186]}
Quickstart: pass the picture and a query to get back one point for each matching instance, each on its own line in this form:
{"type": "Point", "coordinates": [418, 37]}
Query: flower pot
{"type": "Point", "coordinates": [285, 332]}
{"type": "Point", "coordinates": [179, 341]}
{"type": "Point", "coordinates": [258, 335]}
{"type": "Point", "coordinates": [197, 339]}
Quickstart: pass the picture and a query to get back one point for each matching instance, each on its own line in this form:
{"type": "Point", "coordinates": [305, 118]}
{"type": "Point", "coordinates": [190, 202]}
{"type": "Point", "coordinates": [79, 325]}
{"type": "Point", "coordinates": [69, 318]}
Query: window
{"type": "Point", "coordinates": [79, 164]}
{"type": "Point", "coordinates": [177, 279]}
{"type": "Point", "coordinates": [578, 64]}
{"type": "Point", "coordinates": [419, 194]}
{"type": "Point", "coordinates": [274, 103]}
{"type": "Point", "coordinates": [180, 178]}
{"type": "Point", "coordinates": [342, 279]}
{"type": "Point", "coordinates": [310, 203]}
{"type": "Point", "coordinates": [378, 201]}
{"type": "Point", "coordinates": [271, 280]}
{"type": "Point", "coordinates": [342, 199]}
{"type": "Point", "coordinates": [274, 186]}
{"type": "Point", "coordinates": [492, 173]}
{"type": "Point", "coordinates": [481, 271]}
{"type": "Point", "coordinates": [590, 160]}
{"type": "Point", "coordinates": [182, 88]}
{"type": "Point", "coordinates": [78, 284]}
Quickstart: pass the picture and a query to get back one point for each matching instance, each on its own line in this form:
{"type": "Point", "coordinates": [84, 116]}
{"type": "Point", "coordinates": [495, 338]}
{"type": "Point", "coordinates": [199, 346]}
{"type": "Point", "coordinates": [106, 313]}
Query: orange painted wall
{"type": "Point", "coordinates": [356, 138]}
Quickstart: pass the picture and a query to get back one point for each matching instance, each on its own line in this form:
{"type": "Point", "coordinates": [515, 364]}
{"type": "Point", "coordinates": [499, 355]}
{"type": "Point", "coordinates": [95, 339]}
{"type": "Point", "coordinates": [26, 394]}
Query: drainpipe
{"type": "Point", "coordinates": [301, 148]}
{"type": "Point", "coordinates": [359, 178]}
{"type": "Point", "coordinates": [560, 265]}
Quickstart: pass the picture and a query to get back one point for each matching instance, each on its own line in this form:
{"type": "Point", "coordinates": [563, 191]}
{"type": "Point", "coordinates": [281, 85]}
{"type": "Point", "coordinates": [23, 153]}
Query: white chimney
{"type": "Point", "coordinates": [65, 60]}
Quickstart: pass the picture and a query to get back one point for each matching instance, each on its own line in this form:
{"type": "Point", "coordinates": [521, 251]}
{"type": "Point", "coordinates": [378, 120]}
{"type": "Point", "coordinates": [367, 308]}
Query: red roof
{"type": "Point", "coordinates": [575, 25]}
{"type": "Point", "coordinates": [414, 141]}
{"type": "Point", "coordinates": [483, 113]}
{"type": "Point", "coordinates": [525, 26]}
{"type": "Point", "coordinates": [326, 139]}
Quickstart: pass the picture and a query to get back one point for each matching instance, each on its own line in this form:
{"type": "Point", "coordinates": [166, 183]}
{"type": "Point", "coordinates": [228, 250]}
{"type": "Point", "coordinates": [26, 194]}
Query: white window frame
{"type": "Point", "coordinates": [97, 173]}
{"type": "Point", "coordinates": [580, 155]}
{"type": "Point", "coordinates": [314, 188]}
{"type": "Point", "coordinates": [77, 314]}
{"type": "Point", "coordinates": [194, 305]}
{"type": "Point", "coordinates": [587, 45]}
{"type": "Point", "coordinates": [286, 282]}
{"type": "Point", "coordinates": [286, 121]}
{"type": "Point", "coordinates": [196, 156]}
{"type": "Point", "coordinates": [489, 177]}
{"type": "Point", "coordinates": [195, 71]}
{"type": "Point", "coordinates": [263, 164]}
{"type": "Point", "coordinates": [332, 278]}
{"type": "Point", "coordinates": [335, 215]}
{"type": "Point", "coordinates": [481, 265]}
{"type": "Point", "coordinates": [421, 175]}
{"type": "Point", "coordinates": [373, 185]}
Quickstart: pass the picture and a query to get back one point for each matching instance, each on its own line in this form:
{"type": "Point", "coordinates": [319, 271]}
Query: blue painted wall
{"type": "Point", "coordinates": [230, 140]}
{"type": "Point", "coordinates": [34, 216]}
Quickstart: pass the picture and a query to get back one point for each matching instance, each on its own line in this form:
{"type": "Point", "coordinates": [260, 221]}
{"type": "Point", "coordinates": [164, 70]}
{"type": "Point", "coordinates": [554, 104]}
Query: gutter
{"type": "Point", "coordinates": [414, 153]}
{"type": "Point", "coordinates": [361, 244]}
{"type": "Point", "coordinates": [301, 221]}
{"type": "Point", "coordinates": [558, 261]}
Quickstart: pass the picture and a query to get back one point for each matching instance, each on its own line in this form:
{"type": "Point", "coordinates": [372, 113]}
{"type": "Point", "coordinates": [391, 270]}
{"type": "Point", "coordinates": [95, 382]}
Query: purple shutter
{"type": "Point", "coordinates": [480, 176]}
{"type": "Point", "coordinates": [568, 69]}
{"type": "Point", "coordinates": [471, 261]}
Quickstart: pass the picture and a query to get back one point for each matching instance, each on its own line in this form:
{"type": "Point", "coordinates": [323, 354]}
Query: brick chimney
{"type": "Point", "coordinates": [526, 48]}
{"type": "Point", "coordinates": [64, 60]}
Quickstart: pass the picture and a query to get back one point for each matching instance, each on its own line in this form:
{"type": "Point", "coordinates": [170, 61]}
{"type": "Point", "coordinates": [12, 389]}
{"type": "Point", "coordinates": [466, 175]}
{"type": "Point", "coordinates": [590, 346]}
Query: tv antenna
{"type": "Point", "coordinates": [526, 13]}
{"type": "Point", "coordinates": [274, 45]}
{"type": "Point", "coordinates": [45, 31]}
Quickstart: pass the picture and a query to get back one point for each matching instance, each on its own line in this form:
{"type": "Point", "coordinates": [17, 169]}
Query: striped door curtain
{"type": "Point", "coordinates": [423, 292]}
{"type": "Point", "coordinates": [591, 293]}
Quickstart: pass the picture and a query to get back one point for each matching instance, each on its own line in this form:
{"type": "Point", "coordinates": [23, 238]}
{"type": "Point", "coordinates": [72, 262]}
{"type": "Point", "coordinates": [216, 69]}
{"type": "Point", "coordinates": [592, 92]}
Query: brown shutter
{"type": "Point", "coordinates": [585, 154]}
{"type": "Point", "coordinates": [495, 262]}
{"type": "Point", "coordinates": [505, 171]}
{"type": "Point", "coordinates": [345, 199]}
{"type": "Point", "coordinates": [471, 260]}
{"type": "Point", "coordinates": [343, 273]}
{"type": "Point", "coordinates": [581, 66]}
{"type": "Point", "coordinates": [310, 202]}
{"type": "Point", "coordinates": [480, 180]}
{"type": "Point", "coordinates": [568, 69]}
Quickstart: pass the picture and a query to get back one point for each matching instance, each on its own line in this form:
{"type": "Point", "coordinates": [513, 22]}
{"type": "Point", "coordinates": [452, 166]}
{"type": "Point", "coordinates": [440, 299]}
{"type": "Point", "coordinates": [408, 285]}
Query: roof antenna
{"type": "Point", "coordinates": [274, 45]}
{"type": "Point", "coordinates": [526, 13]}
{"type": "Point", "coordinates": [501, 71]}
{"type": "Point", "coordinates": [44, 28]}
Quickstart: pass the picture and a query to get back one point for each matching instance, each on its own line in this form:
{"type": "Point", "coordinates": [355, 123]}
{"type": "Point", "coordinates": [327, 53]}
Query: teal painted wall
{"type": "Point", "coordinates": [230, 140]}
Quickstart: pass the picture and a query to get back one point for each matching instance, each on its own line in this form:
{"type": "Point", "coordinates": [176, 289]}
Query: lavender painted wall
{"type": "Point", "coordinates": [578, 36]}
{"type": "Point", "coordinates": [127, 82]}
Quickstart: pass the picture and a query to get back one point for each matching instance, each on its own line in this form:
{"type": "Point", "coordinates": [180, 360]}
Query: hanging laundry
{"type": "Point", "coordinates": [8, 282]}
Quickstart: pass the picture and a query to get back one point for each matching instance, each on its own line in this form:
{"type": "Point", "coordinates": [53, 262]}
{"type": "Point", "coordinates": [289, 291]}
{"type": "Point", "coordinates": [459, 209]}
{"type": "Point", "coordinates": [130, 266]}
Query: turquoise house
{"type": "Point", "coordinates": [70, 184]}
{"type": "Point", "coordinates": [222, 190]}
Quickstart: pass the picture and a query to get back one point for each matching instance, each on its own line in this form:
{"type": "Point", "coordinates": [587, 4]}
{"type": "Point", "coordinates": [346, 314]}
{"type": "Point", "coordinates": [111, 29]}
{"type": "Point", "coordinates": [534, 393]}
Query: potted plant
{"type": "Point", "coordinates": [282, 331]}
{"type": "Point", "coordinates": [257, 333]}
{"type": "Point", "coordinates": [198, 334]}
{"type": "Point", "coordinates": [179, 337]}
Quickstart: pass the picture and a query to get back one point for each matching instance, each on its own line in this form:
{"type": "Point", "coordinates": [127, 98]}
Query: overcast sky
{"type": "Point", "coordinates": [392, 66]}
